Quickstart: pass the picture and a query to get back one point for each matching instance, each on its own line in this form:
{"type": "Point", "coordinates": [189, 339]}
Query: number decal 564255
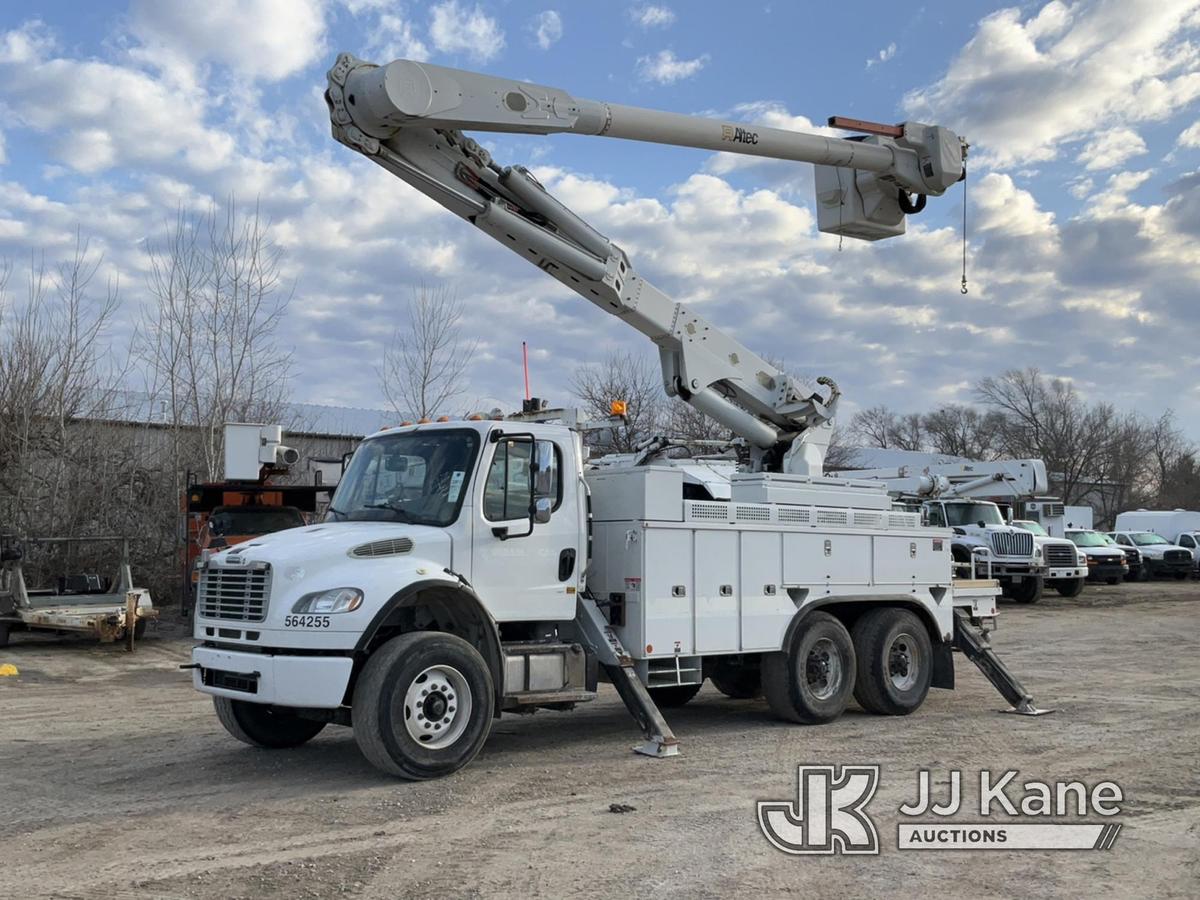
{"type": "Point", "coordinates": [306, 621]}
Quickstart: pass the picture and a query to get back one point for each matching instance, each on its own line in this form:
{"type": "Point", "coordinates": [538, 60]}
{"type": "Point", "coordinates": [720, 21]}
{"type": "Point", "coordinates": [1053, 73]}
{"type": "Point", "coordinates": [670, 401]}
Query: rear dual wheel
{"type": "Point", "coordinates": [813, 679]}
{"type": "Point", "coordinates": [885, 663]}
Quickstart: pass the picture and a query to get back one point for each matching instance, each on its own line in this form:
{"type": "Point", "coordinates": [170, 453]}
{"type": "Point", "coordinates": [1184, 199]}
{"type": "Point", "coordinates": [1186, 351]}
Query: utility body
{"type": "Point", "coordinates": [471, 568]}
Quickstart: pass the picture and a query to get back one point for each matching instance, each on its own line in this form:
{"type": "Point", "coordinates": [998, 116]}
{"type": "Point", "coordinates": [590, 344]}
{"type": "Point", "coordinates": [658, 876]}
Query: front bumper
{"type": "Point", "coordinates": [1067, 574]}
{"type": "Point", "coordinates": [1106, 570]}
{"type": "Point", "coordinates": [1163, 567]}
{"type": "Point", "coordinates": [278, 679]}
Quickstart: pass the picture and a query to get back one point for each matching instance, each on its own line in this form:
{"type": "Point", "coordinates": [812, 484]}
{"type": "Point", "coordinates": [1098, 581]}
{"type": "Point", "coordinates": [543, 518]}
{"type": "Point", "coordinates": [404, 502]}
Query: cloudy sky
{"type": "Point", "coordinates": [1084, 190]}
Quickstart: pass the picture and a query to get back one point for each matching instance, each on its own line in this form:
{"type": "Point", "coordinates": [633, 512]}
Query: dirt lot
{"type": "Point", "coordinates": [117, 781]}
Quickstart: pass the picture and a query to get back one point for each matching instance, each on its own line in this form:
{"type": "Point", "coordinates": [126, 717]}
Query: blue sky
{"type": "Point", "coordinates": [1084, 120]}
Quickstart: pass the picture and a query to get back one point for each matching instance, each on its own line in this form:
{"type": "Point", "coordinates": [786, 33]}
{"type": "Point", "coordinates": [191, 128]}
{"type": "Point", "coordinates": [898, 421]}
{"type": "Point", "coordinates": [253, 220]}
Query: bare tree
{"type": "Point", "coordinates": [424, 370]}
{"type": "Point", "coordinates": [209, 338]}
{"type": "Point", "coordinates": [956, 430]}
{"type": "Point", "coordinates": [1046, 418]}
{"type": "Point", "coordinates": [882, 427]}
{"type": "Point", "coordinates": [629, 377]}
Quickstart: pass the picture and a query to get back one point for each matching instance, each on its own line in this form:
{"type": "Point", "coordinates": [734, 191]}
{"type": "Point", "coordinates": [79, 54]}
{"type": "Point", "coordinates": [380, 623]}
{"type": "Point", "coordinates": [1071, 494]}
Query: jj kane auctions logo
{"type": "Point", "coordinates": [829, 814]}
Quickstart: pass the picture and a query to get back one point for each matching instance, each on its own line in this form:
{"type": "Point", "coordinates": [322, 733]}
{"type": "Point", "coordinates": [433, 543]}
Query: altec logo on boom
{"type": "Point", "coordinates": [829, 815]}
{"type": "Point", "coordinates": [738, 135]}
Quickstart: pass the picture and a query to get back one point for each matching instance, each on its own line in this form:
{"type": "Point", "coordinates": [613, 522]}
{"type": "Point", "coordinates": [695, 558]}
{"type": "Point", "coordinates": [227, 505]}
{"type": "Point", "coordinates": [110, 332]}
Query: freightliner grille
{"type": "Point", "coordinates": [238, 593]}
{"type": "Point", "coordinates": [1060, 555]}
{"type": "Point", "coordinates": [1018, 543]}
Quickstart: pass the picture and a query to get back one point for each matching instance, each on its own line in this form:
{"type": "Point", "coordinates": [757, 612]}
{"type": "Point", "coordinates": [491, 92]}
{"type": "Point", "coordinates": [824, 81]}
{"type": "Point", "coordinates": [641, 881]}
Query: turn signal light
{"type": "Point", "coordinates": [619, 407]}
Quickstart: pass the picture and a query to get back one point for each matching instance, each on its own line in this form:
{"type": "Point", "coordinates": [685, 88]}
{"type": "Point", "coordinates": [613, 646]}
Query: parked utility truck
{"type": "Point", "coordinates": [960, 496]}
{"type": "Point", "coordinates": [466, 569]}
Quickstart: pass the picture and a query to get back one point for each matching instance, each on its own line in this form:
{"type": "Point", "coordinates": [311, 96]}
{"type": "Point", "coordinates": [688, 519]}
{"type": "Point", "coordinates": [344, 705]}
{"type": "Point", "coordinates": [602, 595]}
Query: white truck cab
{"type": "Point", "coordinates": [1105, 560]}
{"type": "Point", "coordinates": [1180, 527]}
{"type": "Point", "coordinates": [1159, 555]}
{"type": "Point", "coordinates": [1010, 554]}
{"type": "Point", "coordinates": [1066, 565]}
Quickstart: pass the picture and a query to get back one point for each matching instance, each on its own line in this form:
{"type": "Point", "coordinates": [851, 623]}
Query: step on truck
{"type": "Point", "coordinates": [474, 568]}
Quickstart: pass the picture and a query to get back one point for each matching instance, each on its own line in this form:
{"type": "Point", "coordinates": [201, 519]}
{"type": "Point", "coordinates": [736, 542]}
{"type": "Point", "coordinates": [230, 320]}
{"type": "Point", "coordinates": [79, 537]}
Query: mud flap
{"type": "Point", "coordinates": [971, 641]}
{"type": "Point", "coordinates": [604, 644]}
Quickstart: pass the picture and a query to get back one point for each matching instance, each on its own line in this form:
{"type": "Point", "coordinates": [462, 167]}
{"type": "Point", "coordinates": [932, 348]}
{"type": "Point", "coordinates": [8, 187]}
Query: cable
{"type": "Point", "coordinates": [964, 236]}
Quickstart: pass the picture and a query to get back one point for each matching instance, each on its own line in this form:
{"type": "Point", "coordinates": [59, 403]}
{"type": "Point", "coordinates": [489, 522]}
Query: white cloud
{"type": "Point", "coordinates": [1022, 87]}
{"type": "Point", "coordinates": [665, 67]}
{"type": "Point", "coordinates": [268, 39]}
{"type": "Point", "coordinates": [547, 28]}
{"type": "Point", "coordinates": [652, 16]}
{"type": "Point", "coordinates": [1111, 148]}
{"type": "Point", "coordinates": [457, 29]}
{"type": "Point", "coordinates": [3, 150]}
{"type": "Point", "coordinates": [1190, 136]}
{"type": "Point", "coordinates": [883, 56]}
{"type": "Point", "coordinates": [395, 37]}
{"type": "Point", "coordinates": [100, 115]}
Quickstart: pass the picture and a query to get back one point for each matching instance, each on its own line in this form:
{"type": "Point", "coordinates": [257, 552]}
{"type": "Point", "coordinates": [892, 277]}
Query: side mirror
{"type": "Point", "coordinates": [541, 510]}
{"type": "Point", "coordinates": [543, 470]}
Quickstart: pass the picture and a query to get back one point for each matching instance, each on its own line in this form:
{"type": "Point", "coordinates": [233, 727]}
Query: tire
{"type": "Point", "coordinates": [811, 681]}
{"type": "Point", "coordinates": [738, 682]}
{"type": "Point", "coordinates": [1143, 573]}
{"type": "Point", "coordinates": [1179, 576]}
{"type": "Point", "coordinates": [1029, 590]}
{"type": "Point", "coordinates": [5, 629]}
{"type": "Point", "coordinates": [1111, 580]}
{"type": "Point", "coordinates": [1072, 588]}
{"type": "Point", "coordinates": [895, 661]}
{"type": "Point", "coordinates": [411, 681]}
{"type": "Point", "coordinates": [139, 629]}
{"type": "Point", "coordinates": [675, 695]}
{"type": "Point", "coordinates": [271, 727]}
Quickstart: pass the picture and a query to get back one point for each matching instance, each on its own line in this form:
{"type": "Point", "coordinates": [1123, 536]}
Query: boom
{"type": "Point", "coordinates": [408, 117]}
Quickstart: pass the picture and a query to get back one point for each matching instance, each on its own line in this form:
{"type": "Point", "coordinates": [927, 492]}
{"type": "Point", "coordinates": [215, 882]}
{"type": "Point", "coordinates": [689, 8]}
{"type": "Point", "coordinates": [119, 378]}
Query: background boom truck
{"type": "Point", "coordinates": [467, 569]}
{"type": "Point", "coordinates": [961, 496]}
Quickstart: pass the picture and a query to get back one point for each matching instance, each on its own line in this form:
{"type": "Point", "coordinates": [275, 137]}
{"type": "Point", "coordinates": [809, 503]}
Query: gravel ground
{"type": "Point", "coordinates": [117, 781]}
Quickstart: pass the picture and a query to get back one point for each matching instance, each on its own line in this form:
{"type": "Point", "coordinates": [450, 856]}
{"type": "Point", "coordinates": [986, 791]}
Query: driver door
{"type": "Point", "coordinates": [519, 573]}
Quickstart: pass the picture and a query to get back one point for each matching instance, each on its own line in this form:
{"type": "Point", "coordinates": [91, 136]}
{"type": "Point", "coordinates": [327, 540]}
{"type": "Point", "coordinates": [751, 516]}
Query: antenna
{"type": "Point", "coordinates": [525, 364]}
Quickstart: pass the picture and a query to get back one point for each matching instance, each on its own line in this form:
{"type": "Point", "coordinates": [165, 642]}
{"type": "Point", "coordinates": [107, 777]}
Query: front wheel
{"type": "Point", "coordinates": [1027, 590]}
{"type": "Point", "coordinates": [1179, 576]}
{"type": "Point", "coordinates": [423, 705]}
{"type": "Point", "coordinates": [1072, 588]}
{"type": "Point", "coordinates": [1111, 580]}
{"type": "Point", "coordinates": [895, 661]}
{"type": "Point", "coordinates": [1143, 573]}
{"type": "Point", "coordinates": [811, 681]}
{"type": "Point", "coordinates": [272, 727]}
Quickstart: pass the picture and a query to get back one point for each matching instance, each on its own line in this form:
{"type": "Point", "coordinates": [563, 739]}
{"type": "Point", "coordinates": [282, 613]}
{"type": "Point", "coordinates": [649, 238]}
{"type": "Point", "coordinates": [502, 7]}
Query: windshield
{"type": "Point", "coordinates": [1145, 539]}
{"type": "Point", "coordinates": [1034, 527]}
{"type": "Point", "coordinates": [416, 476]}
{"type": "Point", "coordinates": [973, 514]}
{"type": "Point", "coordinates": [254, 520]}
{"type": "Point", "coordinates": [1090, 539]}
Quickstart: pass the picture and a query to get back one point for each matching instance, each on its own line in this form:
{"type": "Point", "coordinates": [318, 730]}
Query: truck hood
{"type": "Point", "coordinates": [331, 541]}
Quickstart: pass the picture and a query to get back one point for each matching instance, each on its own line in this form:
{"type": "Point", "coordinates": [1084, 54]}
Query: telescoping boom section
{"type": "Point", "coordinates": [409, 118]}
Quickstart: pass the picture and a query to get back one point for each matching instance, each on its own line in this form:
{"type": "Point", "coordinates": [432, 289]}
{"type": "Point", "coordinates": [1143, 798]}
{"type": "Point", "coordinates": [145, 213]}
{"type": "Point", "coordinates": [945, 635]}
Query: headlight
{"type": "Point", "coordinates": [1037, 552]}
{"type": "Point", "coordinates": [337, 600]}
{"type": "Point", "coordinates": [1080, 558]}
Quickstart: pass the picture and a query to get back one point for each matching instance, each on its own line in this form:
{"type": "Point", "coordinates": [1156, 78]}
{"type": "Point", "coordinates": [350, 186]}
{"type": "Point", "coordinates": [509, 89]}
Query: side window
{"type": "Point", "coordinates": [936, 518]}
{"type": "Point", "coordinates": [1186, 541]}
{"type": "Point", "coordinates": [506, 489]}
{"type": "Point", "coordinates": [1124, 539]}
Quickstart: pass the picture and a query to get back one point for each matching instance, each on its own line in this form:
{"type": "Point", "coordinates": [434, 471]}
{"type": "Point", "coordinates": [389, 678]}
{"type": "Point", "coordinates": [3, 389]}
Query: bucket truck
{"type": "Point", "coordinates": [467, 569]}
{"type": "Point", "coordinates": [1021, 555]}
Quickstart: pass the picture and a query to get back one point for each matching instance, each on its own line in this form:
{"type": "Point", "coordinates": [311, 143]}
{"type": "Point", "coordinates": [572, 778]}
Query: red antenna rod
{"type": "Point", "coordinates": [525, 363]}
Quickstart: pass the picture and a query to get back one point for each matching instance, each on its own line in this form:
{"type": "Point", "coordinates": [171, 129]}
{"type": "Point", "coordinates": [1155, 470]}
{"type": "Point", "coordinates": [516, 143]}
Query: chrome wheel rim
{"type": "Point", "coordinates": [437, 707]}
{"type": "Point", "coordinates": [903, 662]}
{"type": "Point", "coordinates": [823, 669]}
